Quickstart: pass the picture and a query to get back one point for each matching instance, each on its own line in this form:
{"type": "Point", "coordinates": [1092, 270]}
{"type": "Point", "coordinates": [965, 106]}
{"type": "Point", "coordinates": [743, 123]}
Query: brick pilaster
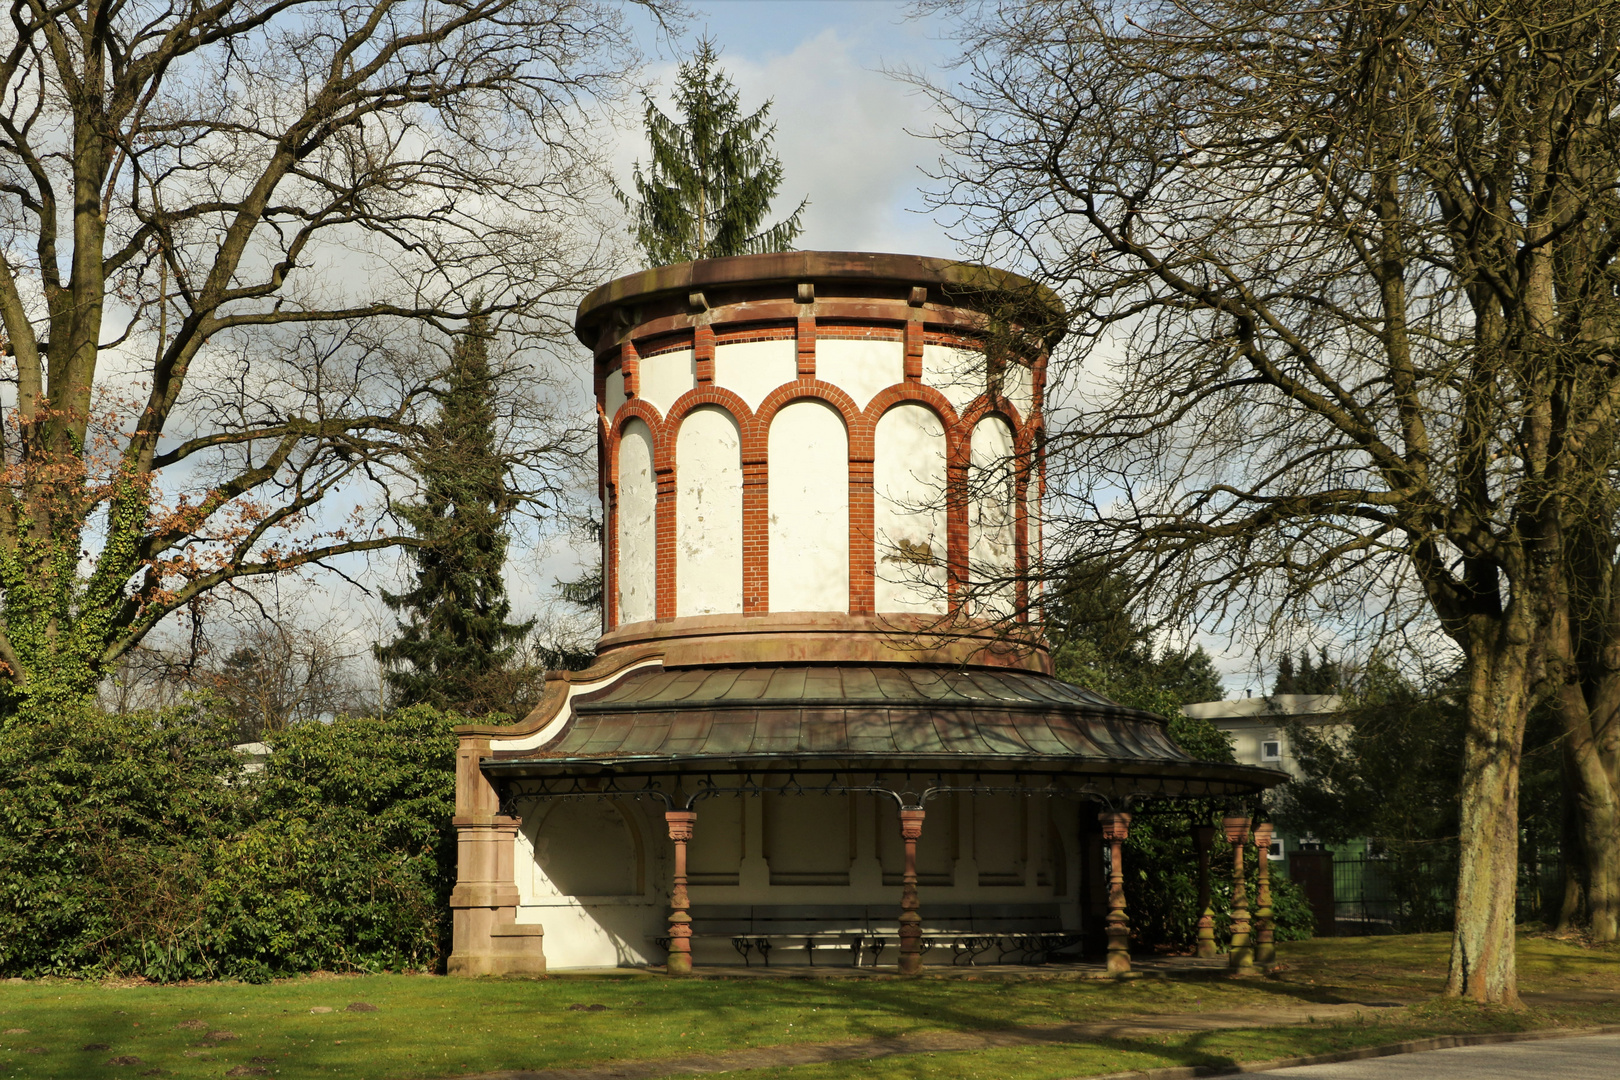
{"type": "Point", "coordinates": [862, 586]}
{"type": "Point", "coordinates": [630, 365]}
{"type": "Point", "coordinates": [664, 606]}
{"type": "Point", "coordinates": [756, 531]}
{"type": "Point", "coordinates": [914, 349]}
{"type": "Point", "coordinates": [703, 354]}
{"type": "Point", "coordinates": [956, 518]}
{"type": "Point", "coordinates": [807, 346]}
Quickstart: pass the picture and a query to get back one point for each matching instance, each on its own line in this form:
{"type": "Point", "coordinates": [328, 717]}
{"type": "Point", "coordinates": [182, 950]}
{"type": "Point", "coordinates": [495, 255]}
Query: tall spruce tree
{"type": "Point", "coordinates": [455, 642]}
{"type": "Point", "coordinates": [709, 185]}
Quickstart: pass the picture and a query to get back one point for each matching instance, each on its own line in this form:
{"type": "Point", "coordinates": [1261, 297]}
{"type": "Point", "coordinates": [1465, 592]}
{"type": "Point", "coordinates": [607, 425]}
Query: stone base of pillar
{"type": "Point", "coordinates": [1206, 936]}
{"type": "Point", "coordinates": [488, 944]}
{"type": "Point", "coordinates": [486, 938]}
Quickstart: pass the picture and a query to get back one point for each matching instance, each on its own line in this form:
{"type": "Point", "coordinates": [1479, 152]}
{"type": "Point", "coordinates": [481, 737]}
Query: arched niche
{"type": "Point", "coordinates": [636, 568]}
{"type": "Point", "coordinates": [908, 511]}
{"type": "Point", "coordinates": [808, 452]}
{"type": "Point", "coordinates": [587, 847]}
{"type": "Point", "coordinates": [708, 514]}
{"type": "Point", "coordinates": [992, 499]}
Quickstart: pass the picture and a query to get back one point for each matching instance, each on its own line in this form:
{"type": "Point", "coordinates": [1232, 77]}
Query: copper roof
{"type": "Point", "coordinates": [865, 718]}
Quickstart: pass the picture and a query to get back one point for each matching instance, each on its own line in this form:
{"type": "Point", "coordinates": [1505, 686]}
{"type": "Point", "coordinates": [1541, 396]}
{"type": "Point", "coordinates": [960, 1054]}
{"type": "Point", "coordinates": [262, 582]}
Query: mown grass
{"type": "Point", "coordinates": [434, 1027]}
{"type": "Point", "coordinates": [1212, 1048]}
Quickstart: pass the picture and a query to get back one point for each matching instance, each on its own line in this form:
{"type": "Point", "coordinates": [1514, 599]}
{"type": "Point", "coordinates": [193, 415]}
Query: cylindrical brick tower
{"type": "Point", "coordinates": [821, 722]}
{"type": "Point", "coordinates": [809, 455]}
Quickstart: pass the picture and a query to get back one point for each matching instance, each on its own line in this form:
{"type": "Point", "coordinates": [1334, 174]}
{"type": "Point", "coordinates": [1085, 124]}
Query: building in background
{"type": "Point", "coordinates": [1258, 727]}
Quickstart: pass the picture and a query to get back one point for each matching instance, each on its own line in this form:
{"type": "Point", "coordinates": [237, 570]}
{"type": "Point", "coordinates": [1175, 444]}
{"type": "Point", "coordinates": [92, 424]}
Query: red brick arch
{"type": "Point", "coordinates": [862, 497]}
{"type": "Point", "coordinates": [706, 396]}
{"type": "Point", "coordinates": [803, 389]}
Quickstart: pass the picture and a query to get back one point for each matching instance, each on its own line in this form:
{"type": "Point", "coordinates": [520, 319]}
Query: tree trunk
{"type": "Point", "coordinates": [1594, 791]}
{"type": "Point", "coordinates": [1572, 859]}
{"type": "Point", "coordinates": [1482, 948]}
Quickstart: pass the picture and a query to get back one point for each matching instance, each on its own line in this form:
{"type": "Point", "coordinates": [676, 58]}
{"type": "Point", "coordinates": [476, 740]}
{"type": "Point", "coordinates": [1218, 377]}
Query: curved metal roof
{"type": "Point", "coordinates": [865, 718]}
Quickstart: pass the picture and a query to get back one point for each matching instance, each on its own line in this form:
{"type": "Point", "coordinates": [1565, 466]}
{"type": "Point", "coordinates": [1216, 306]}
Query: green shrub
{"type": "Point", "coordinates": [351, 858]}
{"type": "Point", "coordinates": [139, 845]}
{"type": "Point", "coordinates": [108, 829]}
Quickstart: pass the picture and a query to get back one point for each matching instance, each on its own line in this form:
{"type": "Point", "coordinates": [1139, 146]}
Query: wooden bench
{"type": "Point", "coordinates": [1031, 932]}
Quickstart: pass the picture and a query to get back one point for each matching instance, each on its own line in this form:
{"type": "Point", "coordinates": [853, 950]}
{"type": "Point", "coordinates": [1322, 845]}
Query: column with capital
{"type": "Point", "coordinates": [910, 919]}
{"type": "Point", "coordinates": [1265, 929]}
{"type": "Point", "coordinates": [680, 823]}
{"type": "Point", "coordinates": [1236, 828]}
{"type": "Point", "coordinates": [1116, 830]}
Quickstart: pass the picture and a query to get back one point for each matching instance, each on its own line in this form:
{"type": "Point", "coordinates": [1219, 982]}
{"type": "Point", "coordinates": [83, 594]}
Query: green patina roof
{"type": "Point", "coordinates": [864, 718]}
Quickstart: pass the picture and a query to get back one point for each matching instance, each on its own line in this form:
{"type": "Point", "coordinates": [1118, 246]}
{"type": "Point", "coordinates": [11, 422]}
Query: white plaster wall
{"type": "Point", "coordinates": [809, 509]}
{"type": "Point", "coordinates": [809, 843]}
{"type": "Point", "coordinates": [612, 394]}
{"type": "Point", "coordinates": [572, 845]}
{"type": "Point", "coordinates": [959, 374]}
{"type": "Point", "coordinates": [708, 514]}
{"type": "Point", "coordinates": [991, 498]}
{"type": "Point", "coordinates": [861, 369]}
{"type": "Point", "coordinates": [638, 535]}
{"type": "Point", "coordinates": [752, 369]}
{"type": "Point", "coordinates": [1018, 386]}
{"type": "Point", "coordinates": [908, 483]}
{"type": "Point", "coordinates": [666, 376]}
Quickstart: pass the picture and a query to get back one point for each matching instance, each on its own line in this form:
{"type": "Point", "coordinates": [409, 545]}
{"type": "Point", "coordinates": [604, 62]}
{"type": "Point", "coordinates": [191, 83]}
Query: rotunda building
{"type": "Point", "coordinates": [822, 725]}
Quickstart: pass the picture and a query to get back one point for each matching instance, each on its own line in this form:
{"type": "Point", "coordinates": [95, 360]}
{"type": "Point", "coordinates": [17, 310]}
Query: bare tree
{"type": "Point", "coordinates": [1345, 278]}
{"type": "Point", "coordinates": [230, 233]}
{"type": "Point", "coordinates": [280, 669]}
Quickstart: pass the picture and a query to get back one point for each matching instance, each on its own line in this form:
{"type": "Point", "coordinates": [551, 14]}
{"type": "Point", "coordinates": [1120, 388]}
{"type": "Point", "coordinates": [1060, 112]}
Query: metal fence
{"type": "Point", "coordinates": [1389, 895]}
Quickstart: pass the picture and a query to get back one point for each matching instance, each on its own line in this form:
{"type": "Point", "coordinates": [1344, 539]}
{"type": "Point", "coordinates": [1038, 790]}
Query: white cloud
{"type": "Point", "coordinates": [843, 135]}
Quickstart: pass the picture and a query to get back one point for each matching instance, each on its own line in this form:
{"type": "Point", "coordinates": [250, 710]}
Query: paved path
{"type": "Point", "coordinates": [1592, 1057]}
{"type": "Point", "coordinates": [766, 1057]}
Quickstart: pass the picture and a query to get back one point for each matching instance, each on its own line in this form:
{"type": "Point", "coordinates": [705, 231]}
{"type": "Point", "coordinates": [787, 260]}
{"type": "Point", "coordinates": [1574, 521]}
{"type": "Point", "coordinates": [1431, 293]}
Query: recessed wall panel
{"type": "Point", "coordinates": [809, 509]}
{"type": "Point", "coordinates": [752, 369]}
{"type": "Point", "coordinates": [908, 513]}
{"type": "Point", "coordinates": [666, 376]}
{"type": "Point", "coordinates": [637, 528]}
{"type": "Point", "coordinates": [959, 374]}
{"type": "Point", "coordinates": [991, 501]}
{"type": "Point", "coordinates": [708, 514]}
{"type": "Point", "coordinates": [861, 369]}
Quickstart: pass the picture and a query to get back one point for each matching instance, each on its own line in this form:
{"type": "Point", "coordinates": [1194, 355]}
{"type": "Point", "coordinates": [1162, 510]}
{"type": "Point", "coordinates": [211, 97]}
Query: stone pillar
{"type": "Point", "coordinates": [1265, 930]}
{"type": "Point", "coordinates": [910, 920]}
{"type": "Point", "coordinates": [680, 923]}
{"type": "Point", "coordinates": [486, 939]}
{"type": "Point", "coordinates": [1236, 828]}
{"type": "Point", "coordinates": [1116, 829]}
{"type": "Point", "coordinates": [1203, 837]}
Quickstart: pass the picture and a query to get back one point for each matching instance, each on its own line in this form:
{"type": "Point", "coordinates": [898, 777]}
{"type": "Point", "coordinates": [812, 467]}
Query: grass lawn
{"type": "Point", "coordinates": [432, 1027]}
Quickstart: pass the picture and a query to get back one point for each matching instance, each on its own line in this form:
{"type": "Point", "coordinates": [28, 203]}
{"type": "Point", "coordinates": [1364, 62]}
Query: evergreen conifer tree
{"type": "Point", "coordinates": [708, 188]}
{"type": "Point", "coordinates": [455, 643]}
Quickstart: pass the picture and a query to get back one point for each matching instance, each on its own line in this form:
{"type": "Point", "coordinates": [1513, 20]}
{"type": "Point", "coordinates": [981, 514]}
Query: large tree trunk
{"type": "Point", "coordinates": [1572, 857]}
{"type": "Point", "coordinates": [1596, 794]}
{"type": "Point", "coordinates": [1482, 948]}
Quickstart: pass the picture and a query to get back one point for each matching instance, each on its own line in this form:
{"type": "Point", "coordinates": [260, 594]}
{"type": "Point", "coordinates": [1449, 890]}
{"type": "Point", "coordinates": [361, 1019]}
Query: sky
{"type": "Point", "coordinates": [844, 128]}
